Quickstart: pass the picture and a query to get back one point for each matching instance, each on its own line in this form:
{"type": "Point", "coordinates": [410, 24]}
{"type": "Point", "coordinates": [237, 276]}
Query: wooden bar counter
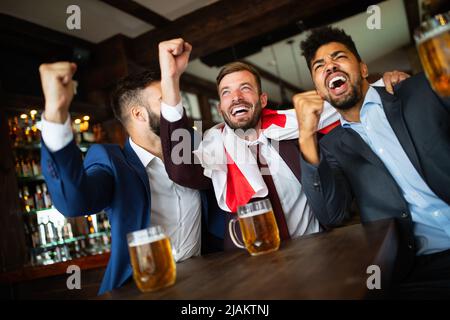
{"type": "Point", "coordinates": [329, 265]}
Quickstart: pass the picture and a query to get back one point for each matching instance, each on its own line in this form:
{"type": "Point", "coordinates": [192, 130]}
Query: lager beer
{"type": "Point", "coordinates": [433, 43]}
{"type": "Point", "coordinates": [258, 227]}
{"type": "Point", "coordinates": [151, 257]}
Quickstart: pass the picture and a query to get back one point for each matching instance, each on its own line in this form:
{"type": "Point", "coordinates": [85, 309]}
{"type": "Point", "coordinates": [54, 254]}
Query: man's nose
{"type": "Point", "coordinates": [236, 96]}
{"type": "Point", "coordinates": [330, 67]}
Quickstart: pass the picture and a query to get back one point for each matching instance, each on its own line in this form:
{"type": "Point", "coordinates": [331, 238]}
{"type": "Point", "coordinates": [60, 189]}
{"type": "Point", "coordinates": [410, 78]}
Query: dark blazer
{"type": "Point", "coordinates": [111, 179]}
{"type": "Point", "coordinates": [191, 174]}
{"type": "Point", "coordinates": [349, 169]}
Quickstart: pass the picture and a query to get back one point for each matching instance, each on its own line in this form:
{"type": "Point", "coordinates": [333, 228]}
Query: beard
{"type": "Point", "coordinates": [154, 122]}
{"type": "Point", "coordinates": [351, 99]}
{"type": "Point", "coordinates": [249, 124]}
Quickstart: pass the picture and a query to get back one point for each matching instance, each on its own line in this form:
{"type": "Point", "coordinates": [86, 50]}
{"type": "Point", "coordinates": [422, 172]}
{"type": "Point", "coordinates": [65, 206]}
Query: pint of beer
{"type": "Point", "coordinates": [258, 227]}
{"type": "Point", "coordinates": [151, 257]}
{"type": "Point", "coordinates": [433, 43]}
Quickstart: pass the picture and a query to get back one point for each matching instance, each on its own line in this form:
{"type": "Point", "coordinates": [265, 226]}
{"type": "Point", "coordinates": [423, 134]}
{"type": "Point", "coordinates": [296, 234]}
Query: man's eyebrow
{"type": "Point", "coordinates": [333, 55]}
{"type": "Point", "coordinates": [317, 61]}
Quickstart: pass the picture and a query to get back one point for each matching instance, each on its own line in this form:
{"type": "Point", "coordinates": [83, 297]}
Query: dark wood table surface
{"type": "Point", "coordinates": [329, 265]}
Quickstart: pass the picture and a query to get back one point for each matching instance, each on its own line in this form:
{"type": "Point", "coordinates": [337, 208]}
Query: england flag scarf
{"type": "Point", "coordinates": [232, 167]}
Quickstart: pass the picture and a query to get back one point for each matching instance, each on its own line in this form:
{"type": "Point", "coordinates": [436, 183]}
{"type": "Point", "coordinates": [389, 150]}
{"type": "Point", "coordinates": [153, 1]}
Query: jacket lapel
{"type": "Point", "coordinates": [353, 141]}
{"type": "Point", "coordinates": [136, 164]}
{"type": "Point", "coordinates": [393, 109]}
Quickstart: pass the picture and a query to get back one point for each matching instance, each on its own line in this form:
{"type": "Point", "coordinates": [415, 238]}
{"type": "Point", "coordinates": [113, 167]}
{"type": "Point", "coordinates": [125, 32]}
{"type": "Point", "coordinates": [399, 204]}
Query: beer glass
{"type": "Point", "coordinates": [433, 43]}
{"type": "Point", "coordinates": [258, 227]}
{"type": "Point", "coordinates": [151, 257]}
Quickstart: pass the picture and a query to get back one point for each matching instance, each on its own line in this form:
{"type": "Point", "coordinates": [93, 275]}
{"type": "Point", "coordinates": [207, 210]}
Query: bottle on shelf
{"type": "Point", "coordinates": [27, 171]}
{"type": "Point", "coordinates": [39, 198]}
{"type": "Point", "coordinates": [28, 200]}
{"type": "Point", "coordinates": [47, 199]}
{"type": "Point", "coordinates": [18, 168]}
{"type": "Point", "coordinates": [36, 167]}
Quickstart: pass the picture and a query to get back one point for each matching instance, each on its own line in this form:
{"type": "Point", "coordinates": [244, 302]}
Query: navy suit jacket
{"type": "Point", "coordinates": [349, 169]}
{"type": "Point", "coordinates": [111, 179]}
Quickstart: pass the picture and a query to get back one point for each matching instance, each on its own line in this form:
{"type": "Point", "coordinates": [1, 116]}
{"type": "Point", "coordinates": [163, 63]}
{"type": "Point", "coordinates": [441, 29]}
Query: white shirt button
{"type": "Point", "coordinates": [436, 213]}
{"type": "Point", "coordinates": [381, 151]}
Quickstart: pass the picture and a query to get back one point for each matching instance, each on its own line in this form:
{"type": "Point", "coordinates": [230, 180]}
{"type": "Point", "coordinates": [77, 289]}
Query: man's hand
{"type": "Point", "coordinates": [173, 59]}
{"type": "Point", "coordinates": [392, 78]}
{"type": "Point", "coordinates": [308, 106]}
{"type": "Point", "coordinates": [58, 88]}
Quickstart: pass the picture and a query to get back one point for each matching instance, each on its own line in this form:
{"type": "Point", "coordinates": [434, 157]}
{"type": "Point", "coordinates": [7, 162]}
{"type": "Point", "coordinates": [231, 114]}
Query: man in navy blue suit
{"type": "Point", "coordinates": [130, 184]}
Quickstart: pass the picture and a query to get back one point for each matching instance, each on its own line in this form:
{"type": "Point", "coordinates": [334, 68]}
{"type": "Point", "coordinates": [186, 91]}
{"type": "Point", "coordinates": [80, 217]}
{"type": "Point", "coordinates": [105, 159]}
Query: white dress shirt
{"type": "Point", "coordinates": [299, 217]}
{"type": "Point", "coordinates": [177, 209]}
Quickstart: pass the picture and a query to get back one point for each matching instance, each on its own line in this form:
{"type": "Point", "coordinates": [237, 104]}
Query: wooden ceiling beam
{"type": "Point", "coordinates": [224, 24]}
{"type": "Point", "coordinates": [139, 11]}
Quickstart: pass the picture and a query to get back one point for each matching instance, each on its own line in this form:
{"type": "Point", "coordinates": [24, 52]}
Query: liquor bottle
{"type": "Point", "coordinates": [34, 131]}
{"type": "Point", "coordinates": [16, 131]}
{"type": "Point", "coordinates": [36, 168]}
{"type": "Point", "coordinates": [39, 198]}
{"type": "Point", "coordinates": [42, 233]}
{"type": "Point", "coordinates": [18, 168]}
{"type": "Point", "coordinates": [28, 200]}
{"type": "Point", "coordinates": [26, 168]}
{"type": "Point", "coordinates": [51, 231]}
{"type": "Point", "coordinates": [47, 199]}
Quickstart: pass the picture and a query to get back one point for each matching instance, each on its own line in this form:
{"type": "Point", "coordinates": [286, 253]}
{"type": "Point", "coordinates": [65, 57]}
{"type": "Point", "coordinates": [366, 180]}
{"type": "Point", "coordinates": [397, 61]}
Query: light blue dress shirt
{"type": "Point", "coordinates": [430, 215]}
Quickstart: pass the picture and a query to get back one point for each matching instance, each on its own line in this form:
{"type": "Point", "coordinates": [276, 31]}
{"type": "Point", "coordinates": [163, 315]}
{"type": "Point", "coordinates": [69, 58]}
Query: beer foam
{"type": "Point", "coordinates": [433, 33]}
{"type": "Point", "coordinates": [140, 239]}
{"type": "Point", "coordinates": [254, 213]}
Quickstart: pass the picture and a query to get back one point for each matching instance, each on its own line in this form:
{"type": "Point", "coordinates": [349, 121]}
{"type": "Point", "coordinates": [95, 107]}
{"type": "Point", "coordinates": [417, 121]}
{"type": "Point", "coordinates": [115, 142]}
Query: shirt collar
{"type": "Point", "coordinates": [372, 98]}
{"type": "Point", "coordinates": [261, 139]}
{"type": "Point", "coordinates": [143, 155]}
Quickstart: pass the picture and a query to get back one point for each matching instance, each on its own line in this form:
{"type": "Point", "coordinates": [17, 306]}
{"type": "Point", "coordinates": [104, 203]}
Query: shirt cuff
{"type": "Point", "coordinates": [55, 135]}
{"type": "Point", "coordinates": [172, 113]}
{"type": "Point", "coordinates": [378, 83]}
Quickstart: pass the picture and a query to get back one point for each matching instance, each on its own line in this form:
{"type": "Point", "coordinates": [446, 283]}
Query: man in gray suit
{"type": "Point", "coordinates": [391, 154]}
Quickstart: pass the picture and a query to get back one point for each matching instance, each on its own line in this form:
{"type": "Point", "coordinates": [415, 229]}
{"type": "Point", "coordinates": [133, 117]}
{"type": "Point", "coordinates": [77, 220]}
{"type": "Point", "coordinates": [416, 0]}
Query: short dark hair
{"type": "Point", "coordinates": [322, 36]}
{"type": "Point", "coordinates": [236, 66]}
{"type": "Point", "coordinates": [128, 90]}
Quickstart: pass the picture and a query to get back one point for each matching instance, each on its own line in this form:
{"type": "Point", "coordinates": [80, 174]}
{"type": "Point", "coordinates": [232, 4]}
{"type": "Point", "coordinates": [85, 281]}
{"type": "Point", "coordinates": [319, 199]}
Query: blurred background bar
{"type": "Point", "coordinates": [117, 38]}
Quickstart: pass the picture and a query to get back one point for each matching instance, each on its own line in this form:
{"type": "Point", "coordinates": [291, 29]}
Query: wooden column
{"type": "Point", "coordinates": [13, 252]}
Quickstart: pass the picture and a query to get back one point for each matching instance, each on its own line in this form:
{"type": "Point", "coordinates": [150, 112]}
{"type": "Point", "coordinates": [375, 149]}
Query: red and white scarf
{"type": "Point", "coordinates": [232, 167]}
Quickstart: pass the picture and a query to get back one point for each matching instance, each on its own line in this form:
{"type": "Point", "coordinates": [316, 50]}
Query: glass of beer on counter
{"type": "Point", "coordinates": [433, 43]}
{"type": "Point", "coordinates": [151, 257]}
{"type": "Point", "coordinates": [258, 228]}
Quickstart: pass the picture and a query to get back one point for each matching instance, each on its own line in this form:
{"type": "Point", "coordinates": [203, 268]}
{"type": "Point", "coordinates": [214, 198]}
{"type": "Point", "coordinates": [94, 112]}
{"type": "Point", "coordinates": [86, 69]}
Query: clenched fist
{"type": "Point", "coordinates": [58, 88]}
{"type": "Point", "coordinates": [308, 106]}
{"type": "Point", "coordinates": [173, 60]}
{"type": "Point", "coordinates": [174, 57]}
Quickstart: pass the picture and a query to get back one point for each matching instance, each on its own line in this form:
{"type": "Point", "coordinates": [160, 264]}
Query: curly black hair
{"type": "Point", "coordinates": [127, 90]}
{"type": "Point", "coordinates": [324, 35]}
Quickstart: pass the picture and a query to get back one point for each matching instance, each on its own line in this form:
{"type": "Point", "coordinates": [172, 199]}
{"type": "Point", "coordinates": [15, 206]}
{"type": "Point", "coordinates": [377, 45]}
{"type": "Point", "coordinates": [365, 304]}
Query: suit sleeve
{"type": "Point", "coordinates": [327, 190]}
{"type": "Point", "coordinates": [78, 188]}
{"type": "Point", "coordinates": [178, 141]}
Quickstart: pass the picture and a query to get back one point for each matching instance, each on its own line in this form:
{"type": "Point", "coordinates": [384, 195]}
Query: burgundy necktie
{"type": "Point", "coordinates": [273, 197]}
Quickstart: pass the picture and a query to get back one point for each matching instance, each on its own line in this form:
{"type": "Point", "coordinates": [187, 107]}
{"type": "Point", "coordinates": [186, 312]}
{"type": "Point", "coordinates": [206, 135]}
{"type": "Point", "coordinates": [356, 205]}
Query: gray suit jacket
{"type": "Point", "coordinates": [349, 169]}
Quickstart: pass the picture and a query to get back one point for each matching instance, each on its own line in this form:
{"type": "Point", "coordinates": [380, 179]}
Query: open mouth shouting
{"type": "Point", "coordinates": [337, 83]}
{"type": "Point", "coordinates": [241, 110]}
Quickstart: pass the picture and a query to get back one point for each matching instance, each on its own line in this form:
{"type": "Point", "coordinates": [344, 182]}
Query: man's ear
{"type": "Point", "coordinates": [138, 113]}
{"type": "Point", "coordinates": [364, 70]}
{"type": "Point", "coordinates": [263, 98]}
